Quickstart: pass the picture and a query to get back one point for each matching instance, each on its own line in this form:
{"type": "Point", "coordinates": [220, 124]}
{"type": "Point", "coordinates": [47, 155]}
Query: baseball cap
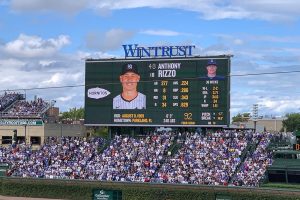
{"type": "Point", "coordinates": [211, 62]}
{"type": "Point", "coordinates": [129, 67]}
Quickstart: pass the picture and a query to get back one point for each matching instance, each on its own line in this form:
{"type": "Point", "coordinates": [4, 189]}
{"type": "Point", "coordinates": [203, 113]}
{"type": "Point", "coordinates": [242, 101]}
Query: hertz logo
{"type": "Point", "coordinates": [97, 93]}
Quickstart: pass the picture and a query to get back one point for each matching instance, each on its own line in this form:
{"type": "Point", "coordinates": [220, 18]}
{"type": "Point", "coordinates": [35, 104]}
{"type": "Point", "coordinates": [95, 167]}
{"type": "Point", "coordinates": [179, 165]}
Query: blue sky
{"type": "Point", "coordinates": [44, 43]}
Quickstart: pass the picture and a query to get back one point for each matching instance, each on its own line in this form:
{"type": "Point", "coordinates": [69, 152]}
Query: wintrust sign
{"type": "Point", "coordinates": [134, 50]}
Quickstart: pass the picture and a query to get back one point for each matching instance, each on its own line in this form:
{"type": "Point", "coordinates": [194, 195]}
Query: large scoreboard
{"type": "Point", "coordinates": [166, 92]}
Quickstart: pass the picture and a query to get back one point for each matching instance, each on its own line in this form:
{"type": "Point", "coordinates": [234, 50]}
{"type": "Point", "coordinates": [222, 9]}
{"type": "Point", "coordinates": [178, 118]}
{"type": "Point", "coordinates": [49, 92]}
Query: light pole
{"type": "Point", "coordinates": [61, 134]}
{"type": "Point", "coordinates": [25, 134]}
{"type": "Point", "coordinates": [25, 126]}
{"type": "Point", "coordinates": [255, 115]}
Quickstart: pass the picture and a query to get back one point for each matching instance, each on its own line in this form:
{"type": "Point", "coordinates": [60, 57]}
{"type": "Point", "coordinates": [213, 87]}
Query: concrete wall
{"type": "Point", "coordinates": [272, 125]}
{"type": "Point", "coordinates": [269, 124]}
{"type": "Point", "coordinates": [75, 130]}
{"type": "Point", "coordinates": [45, 130]}
{"type": "Point", "coordinates": [30, 131]}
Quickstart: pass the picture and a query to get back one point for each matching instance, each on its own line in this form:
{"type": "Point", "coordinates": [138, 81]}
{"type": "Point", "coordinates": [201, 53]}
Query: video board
{"type": "Point", "coordinates": [183, 92]}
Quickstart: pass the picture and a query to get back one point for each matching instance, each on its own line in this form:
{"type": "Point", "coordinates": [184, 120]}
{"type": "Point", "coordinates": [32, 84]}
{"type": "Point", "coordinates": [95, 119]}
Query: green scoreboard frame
{"type": "Point", "coordinates": [177, 92]}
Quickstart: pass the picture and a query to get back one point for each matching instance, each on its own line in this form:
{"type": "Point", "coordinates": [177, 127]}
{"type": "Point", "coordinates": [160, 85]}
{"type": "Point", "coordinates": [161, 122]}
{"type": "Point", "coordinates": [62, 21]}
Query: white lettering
{"type": "Point", "coordinates": [166, 73]}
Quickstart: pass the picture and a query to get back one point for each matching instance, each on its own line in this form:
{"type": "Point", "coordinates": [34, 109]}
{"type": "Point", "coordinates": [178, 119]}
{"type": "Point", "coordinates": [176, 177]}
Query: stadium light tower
{"type": "Point", "coordinates": [255, 115]}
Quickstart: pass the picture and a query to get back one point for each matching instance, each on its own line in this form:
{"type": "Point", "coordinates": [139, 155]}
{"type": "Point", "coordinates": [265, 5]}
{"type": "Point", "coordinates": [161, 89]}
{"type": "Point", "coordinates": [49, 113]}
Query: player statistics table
{"type": "Point", "coordinates": [177, 92]}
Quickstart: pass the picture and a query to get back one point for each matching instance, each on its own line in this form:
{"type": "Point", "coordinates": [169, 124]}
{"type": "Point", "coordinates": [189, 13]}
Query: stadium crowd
{"type": "Point", "coordinates": [28, 108]}
{"type": "Point", "coordinates": [7, 98]}
{"type": "Point", "coordinates": [254, 167]}
{"type": "Point", "coordinates": [14, 105]}
{"type": "Point", "coordinates": [212, 159]}
{"type": "Point", "coordinates": [130, 159]}
{"type": "Point", "coordinates": [56, 159]}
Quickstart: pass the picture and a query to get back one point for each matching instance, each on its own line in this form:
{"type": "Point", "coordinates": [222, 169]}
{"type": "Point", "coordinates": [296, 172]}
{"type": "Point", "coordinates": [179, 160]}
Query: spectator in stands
{"type": "Point", "coordinates": [30, 109]}
{"type": "Point", "coordinates": [207, 160]}
{"type": "Point", "coordinates": [212, 159]}
{"type": "Point", "coordinates": [7, 99]}
{"type": "Point", "coordinates": [254, 167]}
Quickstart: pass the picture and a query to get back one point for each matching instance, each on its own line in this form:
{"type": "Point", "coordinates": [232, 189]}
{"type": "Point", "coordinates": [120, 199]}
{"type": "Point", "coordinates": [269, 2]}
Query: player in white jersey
{"type": "Point", "coordinates": [139, 102]}
{"type": "Point", "coordinates": [130, 98]}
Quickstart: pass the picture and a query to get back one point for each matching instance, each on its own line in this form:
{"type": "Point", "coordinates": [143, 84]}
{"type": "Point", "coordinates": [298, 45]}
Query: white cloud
{"type": "Point", "coordinates": [260, 42]}
{"type": "Point", "coordinates": [95, 55]}
{"type": "Point", "coordinates": [110, 40]}
{"type": "Point", "coordinates": [269, 10]}
{"type": "Point", "coordinates": [207, 8]}
{"type": "Point", "coordinates": [259, 82]}
{"type": "Point", "coordinates": [63, 6]}
{"type": "Point", "coordinates": [43, 64]}
{"type": "Point", "coordinates": [54, 79]}
{"type": "Point", "coordinates": [34, 46]}
{"type": "Point", "coordinates": [276, 95]}
{"type": "Point", "coordinates": [61, 79]}
{"type": "Point", "coordinates": [10, 63]}
{"type": "Point", "coordinates": [31, 62]}
{"type": "Point", "coordinates": [46, 62]}
{"type": "Point", "coordinates": [238, 42]}
{"type": "Point", "coordinates": [280, 106]}
{"type": "Point", "coordinates": [65, 98]}
{"type": "Point", "coordinates": [161, 32]}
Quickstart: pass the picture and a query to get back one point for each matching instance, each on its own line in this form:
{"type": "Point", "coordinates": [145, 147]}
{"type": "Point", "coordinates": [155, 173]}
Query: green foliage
{"type": "Point", "coordinates": [292, 123]}
{"type": "Point", "coordinates": [241, 117]}
{"type": "Point", "coordinates": [82, 190]}
{"type": "Point", "coordinates": [100, 132]}
{"type": "Point", "coordinates": [282, 185]}
{"type": "Point", "coordinates": [282, 129]}
{"type": "Point", "coordinates": [73, 114]}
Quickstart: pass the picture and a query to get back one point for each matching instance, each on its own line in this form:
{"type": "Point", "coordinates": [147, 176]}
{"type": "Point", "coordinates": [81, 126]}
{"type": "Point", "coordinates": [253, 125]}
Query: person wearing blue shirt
{"type": "Point", "coordinates": [212, 71]}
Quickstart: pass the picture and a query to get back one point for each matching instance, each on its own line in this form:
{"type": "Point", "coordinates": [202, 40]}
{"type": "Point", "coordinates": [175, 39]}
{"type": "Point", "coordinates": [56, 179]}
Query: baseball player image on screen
{"type": "Point", "coordinates": [212, 71]}
{"type": "Point", "coordinates": [130, 98]}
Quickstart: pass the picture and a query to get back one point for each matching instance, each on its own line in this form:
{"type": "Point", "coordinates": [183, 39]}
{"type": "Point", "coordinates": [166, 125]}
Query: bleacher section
{"type": "Point", "coordinates": [192, 158]}
{"type": "Point", "coordinates": [14, 105]}
{"type": "Point", "coordinates": [254, 167]}
{"type": "Point", "coordinates": [209, 160]}
{"type": "Point", "coordinates": [8, 99]}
